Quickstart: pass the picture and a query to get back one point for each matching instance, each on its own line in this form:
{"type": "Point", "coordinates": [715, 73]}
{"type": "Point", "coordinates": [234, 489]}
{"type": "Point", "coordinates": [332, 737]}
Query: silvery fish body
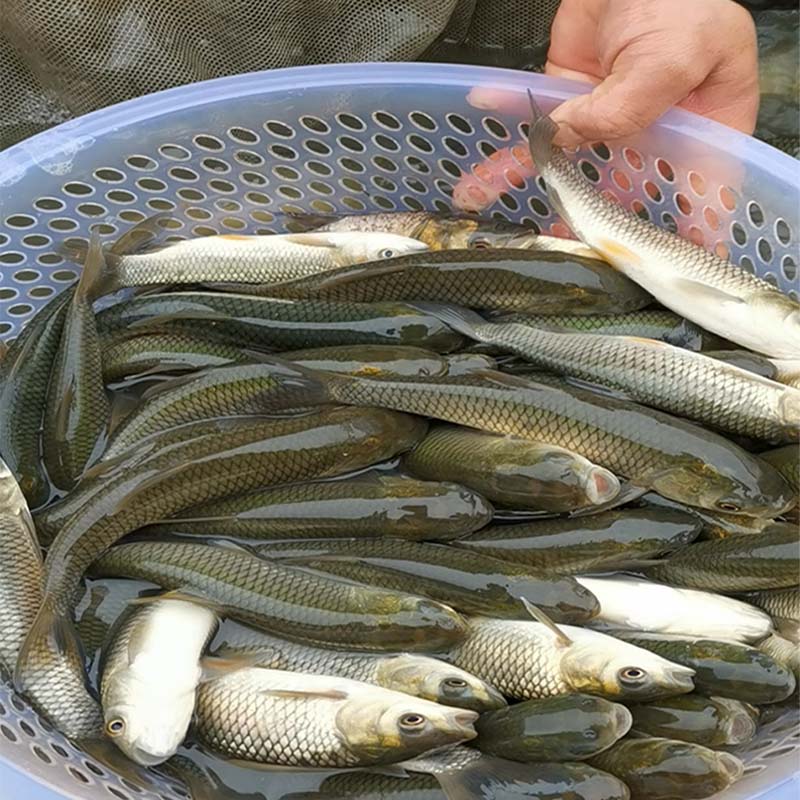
{"type": "Point", "coordinates": [681, 275]}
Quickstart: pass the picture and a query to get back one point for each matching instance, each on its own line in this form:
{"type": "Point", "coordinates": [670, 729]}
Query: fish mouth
{"type": "Point", "coordinates": [601, 485]}
{"type": "Point", "coordinates": [146, 758]}
{"type": "Point", "coordinates": [731, 766]}
{"type": "Point", "coordinates": [624, 720]}
{"type": "Point", "coordinates": [741, 728]}
{"type": "Point", "coordinates": [463, 722]}
{"type": "Point", "coordinates": [679, 679]}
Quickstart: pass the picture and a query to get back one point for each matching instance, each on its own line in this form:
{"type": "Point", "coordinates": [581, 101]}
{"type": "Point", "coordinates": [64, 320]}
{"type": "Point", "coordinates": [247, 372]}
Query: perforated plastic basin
{"type": "Point", "coordinates": [235, 153]}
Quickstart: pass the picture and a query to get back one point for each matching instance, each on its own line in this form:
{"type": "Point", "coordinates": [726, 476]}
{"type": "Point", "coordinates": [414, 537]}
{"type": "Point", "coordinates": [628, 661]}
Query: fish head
{"type": "Point", "coordinates": [487, 235]}
{"type": "Point", "coordinates": [605, 666]}
{"type": "Point", "coordinates": [438, 681]}
{"type": "Point", "coordinates": [147, 726]}
{"type": "Point", "coordinates": [740, 484]}
{"type": "Point", "coordinates": [358, 248]}
{"type": "Point", "coordinates": [390, 726]}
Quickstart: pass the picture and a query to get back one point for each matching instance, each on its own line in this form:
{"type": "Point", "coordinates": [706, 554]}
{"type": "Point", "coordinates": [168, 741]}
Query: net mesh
{"type": "Point", "coordinates": [63, 58]}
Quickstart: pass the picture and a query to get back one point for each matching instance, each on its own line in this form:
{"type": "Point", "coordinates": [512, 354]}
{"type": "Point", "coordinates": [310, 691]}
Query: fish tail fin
{"type": "Point", "coordinates": [52, 632]}
{"type": "Point", "coordinates": [460, 319]}
{"type": "Point", "coordinates": [98, 276]}
{"type": "Point", "coordinates": [540, 135]}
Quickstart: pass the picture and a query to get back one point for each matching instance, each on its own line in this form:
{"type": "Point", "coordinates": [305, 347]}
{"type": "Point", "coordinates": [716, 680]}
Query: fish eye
{"type": "Point", "coordinates": [724, 505]}
{"type": "Point", "coordinates": [455, 683]}
{"type": "Point", "coordinates": [412, 721]}
{"type": "Point", "coordinates": [632, 675]}
{"type": "Point", "coordinates": [115, 727]}
{"type": "Point", "coordinates": [387, 252]}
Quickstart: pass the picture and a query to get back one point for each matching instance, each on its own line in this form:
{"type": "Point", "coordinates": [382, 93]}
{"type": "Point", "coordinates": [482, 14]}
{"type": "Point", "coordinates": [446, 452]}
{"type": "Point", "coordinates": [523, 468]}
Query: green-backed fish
{"type": "Point", "coordinates": [77, 412]}
{"type": "Point", "coordinates": [654, 450]}
{"type": "Point", "coordinates": [411, 673]}
{"type": "Point", "coordinates": [631, 603]}
{"type": "Point", "coordinates": [289, 719]}
{"type": "Point", "coordinates": [24, 377]}
{"type": "Point", "coordinates": [279, 324]}
{"type": "Point", "coordinates": [572, 727]}
{"type": "Point", "coordinates": [766, 560]}
{"type": "Point", "coordinates": [372, 360]}
{"type": "Point", "coordinates": [286, 600]}
{"type": "Point", "coordinates": [251, 259]}
{"type": "Point", "coordinates": [470, 582]}
{"type": "Point", "coordinates": [526, 660]}
{"type": "Point", "coordinates": [608, 540]}
{"type": "Point", "coordinates": [365, 505]}
{"type": "Point", "coordinates": [150, 675]}
{"type": "Point", "coordinates": [154, 353]}
{"type": "Point", "coordinates": [647, 324]}
{"type": "Point", "coordinates": [495, 279]}
{"type": "Point", "coordinates": [783, 605]}
{"type": "Point", "coordinates": [689, 384]}
{"type": "Point", "coordinates": [722, 668]}
{"type": "Point", "coordinates": [787, 461]}
{"type": "Point", "coordinates": [665, 769]}
{"type": "Point", "coordinates": [683, 276]}
{"type": "Point", "coordinates": [709, 721]}
{"type": "Point", "coordinates": [236, 458]}
{"type": "Point", "coordinates": [511, 471]}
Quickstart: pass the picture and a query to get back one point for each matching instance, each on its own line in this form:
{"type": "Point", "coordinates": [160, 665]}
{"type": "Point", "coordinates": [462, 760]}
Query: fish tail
{"type": "Point", "coordinates": [52, 632]}
{"type": "Point", "coordinates": [99, 274]}
{"type": "Point", "coordinates": [460, 319]}
{"type": "Point", "coordinates": [540, 135]}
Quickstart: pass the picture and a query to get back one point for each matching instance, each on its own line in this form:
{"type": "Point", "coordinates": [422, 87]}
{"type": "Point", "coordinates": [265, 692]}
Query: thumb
{"type": "Point", "coordinates": [624, 103]}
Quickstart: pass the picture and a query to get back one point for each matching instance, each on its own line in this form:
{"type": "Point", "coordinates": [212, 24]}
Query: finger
{"type": "Point", "coordinates": [556, 71]}
{"type": "Point", "coordinates": [624, 103]}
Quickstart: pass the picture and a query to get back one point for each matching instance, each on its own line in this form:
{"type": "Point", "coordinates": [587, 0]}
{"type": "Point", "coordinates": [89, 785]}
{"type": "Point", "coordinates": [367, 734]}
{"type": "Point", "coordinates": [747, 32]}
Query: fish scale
{"type": "Point", "coordinates": [684, 461]}
{"type": "Point", "coordinates": [658, 374]}
{"type": "Point", "coordinates": [285, 600]}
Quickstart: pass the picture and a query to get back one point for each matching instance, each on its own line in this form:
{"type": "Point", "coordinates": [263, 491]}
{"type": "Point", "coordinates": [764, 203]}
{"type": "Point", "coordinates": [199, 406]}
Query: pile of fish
{"type": "Point", "coordinates": [439, 506]}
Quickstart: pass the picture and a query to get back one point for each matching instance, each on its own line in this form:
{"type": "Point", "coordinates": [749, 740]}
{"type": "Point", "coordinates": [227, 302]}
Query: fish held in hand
{"type": "Point", "coordinates": [511, 471]}
{"type": "Point", "coordinates": [632, 603]}
{"type": "Point", "coordinates": [682, 276]}
{"type": "Point", "coordinates": [150, 676]}
{"type": "Point", "coordinates": [567, 728]}
{"type": "Point", "coordinates": [412, 673]}
{"type": "Point", "coordinates": [526, 660]}
{"type": "Point", "coordinates": [288, 719]}
{"type": "Point", "coordinates": [599, 542]}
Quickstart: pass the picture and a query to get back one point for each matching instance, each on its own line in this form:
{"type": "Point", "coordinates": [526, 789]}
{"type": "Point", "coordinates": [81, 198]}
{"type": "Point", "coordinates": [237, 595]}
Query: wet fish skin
{"type": "Point", "coordinates": [783, 605]}
{"type": "Point", "coordinates": [384, 505]}
{"type": "Point", "coordinates": [689, 384]}
{"type": "Point", "coordinates": [496, 279]}
{"type": "Point", "coordinates": [631, 603]}
{"type": "Point", "coordinates": [24, 376]}
{"type": "Point", "coordinates": [744, 359]}
{"type": "Point", "coordinates": [567, 728]}
{"type": "Point", "coordinates": [787, 461]}
{"type": "Point", "coordinates": [235, 458]}
{"type": "Point", "coordinates": [766, 560]}
{"type": "Point", "coordinates": [289, 719]}
{"type": "Point", "coordinates": [278, 324]}
{"type": "Point", "coordinates": [470, 582]}
{"type": "Point", "coordinates": [665, 769]}
{"type": "Point", "coordinates": [77, 411]}
{"type": "Point", "coordinates": [355, 785]}
{"type": "Point", "coordinates": [285, 600]}
{"type": "Point", "coordinates": [153, 353]}
{"type": "Point", "coordinates": [722, 668]}
{"type": "Point", "coordinates": [599, 542]}
{"type": "Point", "coordinates": [252, 259]}
{"type": "Point", "coordinates": [652, 449]}
{"type": "Point", "coordinates": [371, 360]}
{"type": "Point", "coordinates": [269, 386]}
{"type": "Point", "coordinates": [411, 673]}
{"type": "Point", "coordinates": [150, 675]}
{"type": "Point", "coordinates": [647, 324]}
{"type": "Point", "coordinates": [785, 652]}
{"type": "Point", "coordinates": [510, 471]}
{"type": "Point", "coordinates": [681, 275]}
{"type": "Point", "coordinates": [524, 660]}
{"type": "Point", "coordinates": [708, 721]}
{"type": "Point", "coordinates": [464, 363]}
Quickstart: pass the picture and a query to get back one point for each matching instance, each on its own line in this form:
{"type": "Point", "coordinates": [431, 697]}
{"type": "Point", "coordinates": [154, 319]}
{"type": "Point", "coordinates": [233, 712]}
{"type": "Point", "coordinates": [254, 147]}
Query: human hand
{"type": "Point", "coordinates": [647, 55]}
